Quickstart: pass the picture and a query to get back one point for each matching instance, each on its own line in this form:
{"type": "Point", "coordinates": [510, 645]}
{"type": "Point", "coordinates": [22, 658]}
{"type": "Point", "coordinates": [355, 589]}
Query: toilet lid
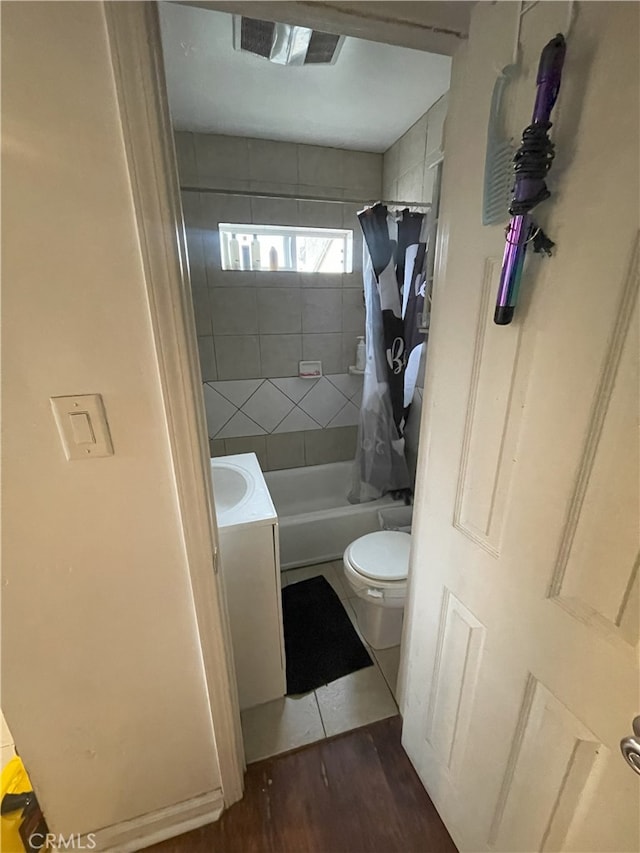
{"type": "Point", "coordinates": [381, 556]}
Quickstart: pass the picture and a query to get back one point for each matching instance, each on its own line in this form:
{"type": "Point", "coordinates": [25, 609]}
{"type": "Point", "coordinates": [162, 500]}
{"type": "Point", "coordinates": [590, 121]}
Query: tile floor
{"type": "Point", "coordinates": [348, 703]}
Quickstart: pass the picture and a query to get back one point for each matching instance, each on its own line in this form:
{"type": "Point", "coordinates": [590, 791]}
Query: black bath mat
{"type": "Point", "coordinates": [319, 640]}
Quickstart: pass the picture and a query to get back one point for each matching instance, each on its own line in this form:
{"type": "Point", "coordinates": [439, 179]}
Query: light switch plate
{"type": "Point", "coordinates": [82, 424]}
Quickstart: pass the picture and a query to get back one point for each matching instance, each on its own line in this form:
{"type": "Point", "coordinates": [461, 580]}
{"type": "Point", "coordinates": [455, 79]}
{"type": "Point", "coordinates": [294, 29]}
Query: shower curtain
{"type": "Point", "coordinates": [394, 288]}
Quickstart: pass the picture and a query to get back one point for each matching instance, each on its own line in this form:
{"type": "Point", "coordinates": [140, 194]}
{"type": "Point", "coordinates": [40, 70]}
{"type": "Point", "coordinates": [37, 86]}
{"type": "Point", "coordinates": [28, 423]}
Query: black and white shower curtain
{"type": "Point", "coordinates": [394, 288]}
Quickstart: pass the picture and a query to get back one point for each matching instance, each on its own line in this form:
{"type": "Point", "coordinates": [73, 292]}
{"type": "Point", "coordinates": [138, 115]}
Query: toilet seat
{"type": "Point", "coordinates": [382, 557]}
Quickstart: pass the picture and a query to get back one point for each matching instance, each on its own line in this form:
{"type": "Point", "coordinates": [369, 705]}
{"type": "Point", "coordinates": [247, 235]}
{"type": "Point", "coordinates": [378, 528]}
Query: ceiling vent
{"type": "Point", "coordinates": [284, 43]}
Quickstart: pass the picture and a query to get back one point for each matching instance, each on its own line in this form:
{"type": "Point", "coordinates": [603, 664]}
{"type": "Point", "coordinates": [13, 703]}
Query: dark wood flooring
{"type": "Point", "coordinates": [356, 793]}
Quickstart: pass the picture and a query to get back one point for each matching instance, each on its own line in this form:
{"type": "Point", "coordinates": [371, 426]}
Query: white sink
{"type": "Point", "coordinates": [232, 486]}
{"type": "Point", "coordinates": [239, 491]}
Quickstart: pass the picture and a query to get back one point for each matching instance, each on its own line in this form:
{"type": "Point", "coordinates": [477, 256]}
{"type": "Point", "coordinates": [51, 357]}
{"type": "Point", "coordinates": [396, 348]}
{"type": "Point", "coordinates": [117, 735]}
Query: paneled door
{"type": "Point", "coordinates": [520, 671]}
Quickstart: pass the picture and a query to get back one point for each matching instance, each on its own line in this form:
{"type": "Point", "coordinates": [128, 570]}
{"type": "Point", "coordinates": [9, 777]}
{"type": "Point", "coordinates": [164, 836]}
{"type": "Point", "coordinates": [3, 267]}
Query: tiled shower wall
{"type": "Point", "coordinates": [259, 325]}
{"type": "Point", "coordinates": [408, 175]}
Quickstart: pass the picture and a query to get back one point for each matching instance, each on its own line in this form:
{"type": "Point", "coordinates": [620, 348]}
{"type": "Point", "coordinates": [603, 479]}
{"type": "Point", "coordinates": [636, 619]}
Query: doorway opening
{"type": "Point", "coordinates": [275, 161]}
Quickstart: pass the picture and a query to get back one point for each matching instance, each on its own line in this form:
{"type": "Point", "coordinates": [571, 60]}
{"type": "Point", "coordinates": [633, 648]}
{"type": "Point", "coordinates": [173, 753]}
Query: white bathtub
{"type": "Point", "coordinates": [316, 520]}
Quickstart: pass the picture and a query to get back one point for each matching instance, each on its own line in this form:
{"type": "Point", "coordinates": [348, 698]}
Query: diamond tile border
{"type": "Point", "coordinates": [289, 404]}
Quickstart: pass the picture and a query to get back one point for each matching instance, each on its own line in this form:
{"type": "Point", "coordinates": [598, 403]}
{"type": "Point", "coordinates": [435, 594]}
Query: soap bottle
{"type": "Point", "coordinates": [246, 254]}
{"type": "Point", "coordinates": [361, 355]}
{"type": "Point", "coordinates": [255, 253]}
{"type": "Point", "coordinates": [273, 259]}
{"type": "Point", "coordinates": [234, 253]}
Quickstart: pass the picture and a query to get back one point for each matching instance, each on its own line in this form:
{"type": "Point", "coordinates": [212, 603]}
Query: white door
{"type": "Point", "coordinates": [520, 662]}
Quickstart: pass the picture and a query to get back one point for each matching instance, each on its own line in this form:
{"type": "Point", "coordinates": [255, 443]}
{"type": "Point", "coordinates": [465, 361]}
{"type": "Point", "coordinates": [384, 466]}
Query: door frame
{"type": "Point", "coordinates": [136, 52]}
{"type": "Point", "coordinates": [136, 56]}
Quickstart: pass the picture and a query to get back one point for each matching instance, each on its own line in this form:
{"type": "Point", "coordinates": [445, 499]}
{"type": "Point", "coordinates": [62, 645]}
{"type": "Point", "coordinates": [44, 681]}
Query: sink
{"type": "Point", "coordinates": [240, 493]}
{"type": "Point", "coordinates": [232, 486]}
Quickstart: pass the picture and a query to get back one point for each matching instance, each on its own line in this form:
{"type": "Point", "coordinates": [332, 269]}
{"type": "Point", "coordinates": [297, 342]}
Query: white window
{"type": "Point", "coordinates": [270, 248]}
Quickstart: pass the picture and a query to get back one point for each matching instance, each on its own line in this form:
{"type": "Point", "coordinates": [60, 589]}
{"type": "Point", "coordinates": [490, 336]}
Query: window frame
{"type": "Point", "coordinates": [295, 232]}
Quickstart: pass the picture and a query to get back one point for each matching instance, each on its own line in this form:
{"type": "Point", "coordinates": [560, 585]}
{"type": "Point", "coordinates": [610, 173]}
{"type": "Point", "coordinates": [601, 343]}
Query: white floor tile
{"type": "Point", "coordinates": [338, 567]}
{"type": "Point", "coordinates": [327, 570]}
{"type": "Point", "coordinates": [355, 700]}
{"type": "Point", "coordinates": [389, 663]}
{"type": "Point", "coordinates": [281, 725]}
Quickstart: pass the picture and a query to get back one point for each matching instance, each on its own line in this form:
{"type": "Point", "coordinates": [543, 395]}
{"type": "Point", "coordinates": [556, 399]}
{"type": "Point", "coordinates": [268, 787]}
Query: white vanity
{"type": "Point", "coordinates": [250, 565]}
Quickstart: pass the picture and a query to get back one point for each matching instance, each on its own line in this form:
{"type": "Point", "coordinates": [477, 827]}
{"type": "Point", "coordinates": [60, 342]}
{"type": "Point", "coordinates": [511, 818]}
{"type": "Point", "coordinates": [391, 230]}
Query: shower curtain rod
{"type": "Point", "coordinates": [257, 194]}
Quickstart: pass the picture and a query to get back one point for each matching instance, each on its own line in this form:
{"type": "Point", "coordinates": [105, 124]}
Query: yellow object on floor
{"type": "Point", "coordinates": [15, 780]}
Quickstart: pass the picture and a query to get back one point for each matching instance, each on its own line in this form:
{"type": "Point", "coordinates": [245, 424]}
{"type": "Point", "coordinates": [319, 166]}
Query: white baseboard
{"type": "Point", "coordinates": [151, 828]}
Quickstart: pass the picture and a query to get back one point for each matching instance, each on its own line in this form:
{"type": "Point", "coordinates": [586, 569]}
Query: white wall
{"type": "Point", "coordinates": [102, 678]}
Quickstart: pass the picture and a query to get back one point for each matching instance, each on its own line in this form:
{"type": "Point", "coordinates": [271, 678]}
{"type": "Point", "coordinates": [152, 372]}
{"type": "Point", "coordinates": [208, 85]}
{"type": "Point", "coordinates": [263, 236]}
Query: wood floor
{"type": "Point", "coordinates": [357, 793]}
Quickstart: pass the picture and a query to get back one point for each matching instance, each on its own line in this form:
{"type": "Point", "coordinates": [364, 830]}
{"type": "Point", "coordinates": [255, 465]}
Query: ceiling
{"type": "Point", "coordinates": [366, 101]}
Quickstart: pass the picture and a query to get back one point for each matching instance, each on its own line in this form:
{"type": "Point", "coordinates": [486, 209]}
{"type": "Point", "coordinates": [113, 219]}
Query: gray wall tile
{"type": "Point", "coordinates": [335, 317]}
{"type": "Point", "coordinates": [280, 278]}
{"type": "Point", "coordinates": [280, 355]}
{"type": "Point", "coordinates": [273, 187]}
{"type": "Point", "coordinates": [237, 357]}
{"type": "Point", "coordinates": [216, 447]}
{"type": "Point", "coordinates": [279, 310]}
{"type": "Point", "coordinates": [413, 145]}
{"type": "Point", "coordinates": [285, 450]}
{"type": "Point", "coordinates": [186, 157]}
{"type": "Point", "coordinates": [201, 310]}
{"type": "Point", "coordinates": [224, 208]}
{"type": "Point", "coordinates": [233, 310]}
{"type": "Point", "coordinates": [390, 167]}
{"type": "Point", "coordinates": [410, 183]}
{"type": "Point", "coordinates": [273, 161]}
{"type": "Point", "coordinates": [327, 348]}
{"type": "Point", "coordinates": [221, 159]}
{"type": "Point", "coordinates": [320, 167]}
{"type": "Point", "coordinates": [330, 445]}
{"type": "Point", "coordinates": [353, 279]}
{"type": "Point", "coordinates": [235, 278]}
{"type": "Point", "coordinates": [322, 310]}
{"type": "Point", "coordinates": [350, 216]}
{"type": "Point", "coordinates": [274, 211]}
{"type": "Point", "coordinates": [211, 251]}
{"type": "Point", "coordinates": [248, 444]}
{"type": "Point", "coordinates": [348, 351]}
{"type": "Point", "coordinates": [358, 242]}
{"type": "Point", "coordinates": [318, 214]}
{"type": "Point", "coordinates": [362, 174]}
{"type": "Point", "coordinates": [207, 356]}
{"type": "Point", "coordinates": [321, 279]}
{"type": "Point", "coordinates": [353, 311]}
{"type": "Point", "coordinates": [406, 173]}
{"type": "Point", "coordinates": [319, 192]}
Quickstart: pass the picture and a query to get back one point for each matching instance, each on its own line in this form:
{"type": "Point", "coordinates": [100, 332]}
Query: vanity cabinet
{"type": "Point", "coordinates": [251, 572]}
{"type": "Point", "coordinates": [250, 566]}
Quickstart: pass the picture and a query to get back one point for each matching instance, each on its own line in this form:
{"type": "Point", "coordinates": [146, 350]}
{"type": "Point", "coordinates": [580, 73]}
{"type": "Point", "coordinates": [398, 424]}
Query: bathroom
{"type": "Point", "coordinates": [278, 345]}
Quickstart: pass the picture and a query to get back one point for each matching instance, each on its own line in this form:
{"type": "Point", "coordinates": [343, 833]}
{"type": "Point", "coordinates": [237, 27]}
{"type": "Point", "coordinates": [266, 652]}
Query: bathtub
{"type": "Point", "coordinates": [316, 520]}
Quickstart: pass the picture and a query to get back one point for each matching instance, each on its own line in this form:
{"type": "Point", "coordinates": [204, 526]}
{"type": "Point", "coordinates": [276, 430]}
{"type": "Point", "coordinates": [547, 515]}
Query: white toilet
{"type": "Point", "coordinates": [376, 567]}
